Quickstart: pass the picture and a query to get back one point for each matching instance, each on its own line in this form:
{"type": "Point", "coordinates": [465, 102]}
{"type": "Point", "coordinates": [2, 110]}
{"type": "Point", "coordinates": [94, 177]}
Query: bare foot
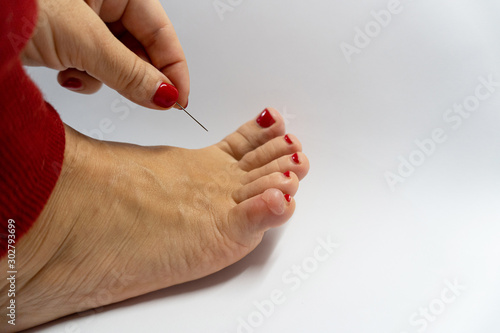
{"type": "Point", "coordinates": [125, 220]}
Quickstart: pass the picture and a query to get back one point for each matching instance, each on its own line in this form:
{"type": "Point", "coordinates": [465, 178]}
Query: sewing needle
{"type": "Point", "coordinates": [191, 116]}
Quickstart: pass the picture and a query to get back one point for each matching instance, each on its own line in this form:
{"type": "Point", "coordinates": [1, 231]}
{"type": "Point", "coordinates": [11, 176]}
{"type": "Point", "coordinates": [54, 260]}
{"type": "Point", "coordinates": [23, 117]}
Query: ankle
{"type": "Point", "coordinates": [40, 246]}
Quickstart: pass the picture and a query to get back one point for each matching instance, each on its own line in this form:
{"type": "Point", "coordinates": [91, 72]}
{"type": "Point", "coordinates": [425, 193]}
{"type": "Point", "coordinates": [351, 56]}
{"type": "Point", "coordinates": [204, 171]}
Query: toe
{"type": "Point", "coordinates": [262, 212]}
{"type": "Point", "coordinates": [268, 125]}
{"type": "Point", "coordinates": [296, 163]}
{"type": "Point", "coordinates": [272, 150]}
{"type": "Point", "coordinates": [287, 182]}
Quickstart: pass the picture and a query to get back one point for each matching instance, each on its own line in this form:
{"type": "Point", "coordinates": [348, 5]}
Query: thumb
{"type": "Point", "coordinates": [108, 60]}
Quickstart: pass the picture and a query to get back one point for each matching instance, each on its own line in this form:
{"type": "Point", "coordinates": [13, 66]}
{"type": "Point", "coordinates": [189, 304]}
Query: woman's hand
{"type": "Point", "coordinates": [130, 45]}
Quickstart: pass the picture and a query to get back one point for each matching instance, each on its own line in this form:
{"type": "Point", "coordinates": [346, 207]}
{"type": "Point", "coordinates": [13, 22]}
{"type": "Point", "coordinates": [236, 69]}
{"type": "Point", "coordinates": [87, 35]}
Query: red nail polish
{"type": "Point", "coordinates": [288, 197]}
{"type": "Point", "coordinates": [72, 83]}
{"type": "Point", "coordinates": [166, 95]}
{"type": "Point", "coordinates": [265, 119]}
{"type": "Point", "coordinates": [287, 174]}
{"type": "Point", "coordinates": [295, 158]}
{"type": "Point", "coordinates": [287, 139]}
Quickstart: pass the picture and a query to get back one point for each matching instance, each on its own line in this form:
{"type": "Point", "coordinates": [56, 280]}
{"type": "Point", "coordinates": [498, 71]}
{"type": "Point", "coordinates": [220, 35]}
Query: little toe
{"type": "Point", "coordinates": [261, 213]}
{"type": "Point", "coordinates": [271, 150]}
{"type": "Point", "coordinates": [268, 125]}
{"type": "Point", "coordinates": [286, 182]}
{"type": "Point", "coordinates": [296, 163]}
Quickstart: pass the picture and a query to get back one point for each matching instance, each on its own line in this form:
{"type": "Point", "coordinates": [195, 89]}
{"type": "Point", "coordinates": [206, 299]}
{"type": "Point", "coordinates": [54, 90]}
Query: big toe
{"type": "Point", "coordinates": [260, 213]}
{"type": "Point", "coordinates": [268, 125]}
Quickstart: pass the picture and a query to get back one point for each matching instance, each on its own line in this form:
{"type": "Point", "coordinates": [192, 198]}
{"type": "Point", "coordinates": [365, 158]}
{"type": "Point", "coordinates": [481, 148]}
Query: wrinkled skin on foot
{"type": "Point", "coordinates": [125, 220]}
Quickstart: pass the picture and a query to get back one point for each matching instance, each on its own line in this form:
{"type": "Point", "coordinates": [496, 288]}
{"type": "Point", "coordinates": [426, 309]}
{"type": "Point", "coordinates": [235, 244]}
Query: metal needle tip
{"type": "Point", "coordinates": [191, 116]}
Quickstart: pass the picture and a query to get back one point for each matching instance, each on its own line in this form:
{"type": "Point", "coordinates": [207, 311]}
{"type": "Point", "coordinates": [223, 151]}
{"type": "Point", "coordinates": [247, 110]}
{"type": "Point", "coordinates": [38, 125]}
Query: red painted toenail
{"type": "Point", "coordinates": [295, 158]}
{"type": "Point", "coordinates": [287, 139]}
{"type": "Point", "coordinates": [287, 174]}
{"type": "Point", "coordinates": [288, 197]}
{"type": "Point", "coordinates": [265, 119]}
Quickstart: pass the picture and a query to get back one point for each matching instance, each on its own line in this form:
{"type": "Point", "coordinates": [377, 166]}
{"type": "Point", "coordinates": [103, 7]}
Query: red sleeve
{"type": "Point", "coordinates": [31, 132]}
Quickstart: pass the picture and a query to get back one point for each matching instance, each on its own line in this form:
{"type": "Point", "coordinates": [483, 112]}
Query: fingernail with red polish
{"type": "Point", "coordinates": [295, 158]}
{"type": "Point", "coordinates": [265, 119]}
{"type": "Point", "coordinates": [287, 174]}
{"type": "Point", "coordinates": [166, 95]}
{"type": "Point", "coordinates": [288, 140]}
{"type": "Point", "coordinates": [72, 84]}
{"type": "Point", "coordinates": [288, 197]}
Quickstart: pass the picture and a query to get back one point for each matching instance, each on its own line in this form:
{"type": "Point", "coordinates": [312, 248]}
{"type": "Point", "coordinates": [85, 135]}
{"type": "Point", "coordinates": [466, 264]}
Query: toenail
{"type": "Point", "coordinates": [288, 197]}
{"type": "Point", "coordinates": [295, 158]}
{"type": "Point", "coordinates": [265, 119]}
{"type": "Point", "coordinates": [287, 139]}
{"type": "Point", "coordinates": [287, 174]}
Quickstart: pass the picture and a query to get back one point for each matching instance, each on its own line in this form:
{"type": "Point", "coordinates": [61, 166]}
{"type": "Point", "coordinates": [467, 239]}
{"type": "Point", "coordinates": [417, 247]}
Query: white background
{"type": "Point", "coordinates": [397, 249]}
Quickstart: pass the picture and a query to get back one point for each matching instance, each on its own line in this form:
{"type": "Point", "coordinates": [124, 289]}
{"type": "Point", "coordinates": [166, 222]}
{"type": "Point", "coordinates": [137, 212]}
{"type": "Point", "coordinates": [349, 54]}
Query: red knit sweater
{"type": "Point", "coordinates": [31, 132]}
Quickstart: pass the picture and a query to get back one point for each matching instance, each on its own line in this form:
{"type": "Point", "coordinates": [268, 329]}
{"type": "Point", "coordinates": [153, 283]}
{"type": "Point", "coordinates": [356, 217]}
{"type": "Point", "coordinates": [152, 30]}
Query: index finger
{"type": "Point", "coordinates": [147, 21]}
